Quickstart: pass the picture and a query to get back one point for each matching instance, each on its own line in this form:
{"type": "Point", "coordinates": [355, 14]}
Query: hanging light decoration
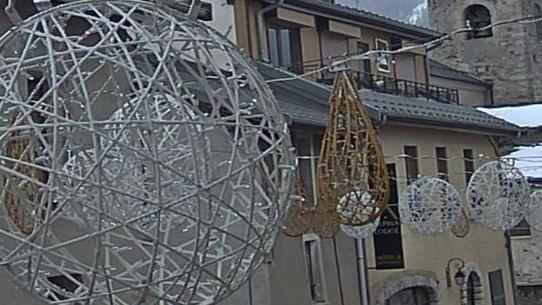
{"type": "Point", "coordinates": [351, 164]}
{"type": "Point", "coordinates": [145, 162]}
{"type": "Point", "coordinates": [361, 199]}
{"type": "Point", "coordinates": [498, 195]}
{"type": "Point", "coordinates": [462, 228]}
{"type": "Point", "coordinates": [430, 206]}
{"type": "Point", "coordinates": [534, 214]}
{"type": "Point", "coordinates": [300, 212]}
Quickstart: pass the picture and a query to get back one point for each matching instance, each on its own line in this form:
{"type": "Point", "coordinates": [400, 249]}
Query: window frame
{"type": "Point", "coordinates": [384, 68]}
{"type": "Point", "coordinates": [311, 265]}
{"type": "Point", "coordinates": [446, 174]}
{"type": "Point", "coordinates": [295, 49]}
{"type": "Point", "coordinates": [475, 33]}
{"type": "Point", "coordinates": [468, 174]}
{"type": "Point", "coordinates": [497, 297]}
{"type": "Point", "coordinates": [414, 159]}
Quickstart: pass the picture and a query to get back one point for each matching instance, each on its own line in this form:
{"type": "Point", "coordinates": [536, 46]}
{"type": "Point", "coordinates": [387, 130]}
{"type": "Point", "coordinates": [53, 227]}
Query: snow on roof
{"type": "Point", "coordinates": [523, 116]}
{"type": "Point", "coordinates": [529, 160]}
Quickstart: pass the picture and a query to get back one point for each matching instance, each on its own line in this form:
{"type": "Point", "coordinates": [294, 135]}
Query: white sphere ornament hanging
{"type": "Point", "coordinates": [143, 161]}
{"type": "Point", "coordinates": [534, 214]}
{"type": "Point", "coordinates": [498, 195]}
{"type": "Point", "coordinates": [355, 201]}
{"type": "Point", "coordinates": [430, 206]}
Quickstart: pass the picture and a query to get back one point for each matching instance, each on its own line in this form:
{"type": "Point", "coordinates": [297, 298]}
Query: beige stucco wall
{"type": "Point", "coordinates": [482, 249]}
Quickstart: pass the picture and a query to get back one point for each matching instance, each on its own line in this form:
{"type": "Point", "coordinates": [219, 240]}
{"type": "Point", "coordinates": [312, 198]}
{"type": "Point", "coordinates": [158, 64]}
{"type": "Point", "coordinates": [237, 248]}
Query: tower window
{"type": "Point", "coordinates": [477, 17]}
{"type": "Point", "coordinates": [538, 24]}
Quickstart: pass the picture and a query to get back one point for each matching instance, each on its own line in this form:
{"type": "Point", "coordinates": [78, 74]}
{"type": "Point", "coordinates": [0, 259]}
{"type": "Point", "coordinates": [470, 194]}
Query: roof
{"type": "Point", "coordinates": [439, 69]}
{"type": "Point", "coordinates": [306, 102]}
{"type": "Point", "coordinates": [327, 7]}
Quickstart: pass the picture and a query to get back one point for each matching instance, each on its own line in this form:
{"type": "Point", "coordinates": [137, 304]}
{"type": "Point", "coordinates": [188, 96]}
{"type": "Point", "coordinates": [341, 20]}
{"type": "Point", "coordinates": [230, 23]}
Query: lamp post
{"type": "Point", "coordinates": [459, 276]}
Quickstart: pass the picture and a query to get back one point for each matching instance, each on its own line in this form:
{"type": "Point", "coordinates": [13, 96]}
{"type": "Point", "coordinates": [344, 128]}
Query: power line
{"type": "Point", "coordinates": [432, 44]}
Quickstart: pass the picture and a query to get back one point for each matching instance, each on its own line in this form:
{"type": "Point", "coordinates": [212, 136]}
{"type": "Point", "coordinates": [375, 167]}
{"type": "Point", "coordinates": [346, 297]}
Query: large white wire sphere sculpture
{"type": "Point", "coordinates": [359, 199]}
{"type": "Point", "coordinates": [430, 206]}
{"type": "Point", "coordinates": [498, 195]}
{"type": "Point", "coordinates": [534, 213]}
{"type": "Point", "coordinates": [144, 160]}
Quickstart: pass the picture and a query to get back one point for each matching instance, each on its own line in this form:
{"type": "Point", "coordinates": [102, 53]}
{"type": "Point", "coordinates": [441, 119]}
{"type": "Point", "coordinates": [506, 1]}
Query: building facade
{"type": "Point", "coordinates": [507, 55]}
{"type": "Point", "coordinates": [427, 126]}
{"type": "Point", "coordinates": [527, 246]}
{"type": "Point", "coordinates": [425, 129]}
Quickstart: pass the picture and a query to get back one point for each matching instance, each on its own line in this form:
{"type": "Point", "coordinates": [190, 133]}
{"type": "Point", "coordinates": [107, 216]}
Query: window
{"type": "Point", "coordinates": [476, 17]}
{"type": "Point", "coordinates": [468, 163]}
{"type": "Point", "coordinates": [411, 163]}
{"type": "Point", "coordinates": [497, 288]}
{"type": "Point", "coordinates": [387, 239]}
{"type": "Point", "coordinates": [473, 289]}
{"type": "Point", "coordinates": [312, 257]}
{"type": "Point", "coordinates": [285, 47]}
{"type": "Point", "coordinates": [538, 25]}
{"type": "Point", "coordinates": [442, 162]}
{"type": "Point", "coordinates": [364, 65]}
{"type": "Point", "coordinates": [382, 59]}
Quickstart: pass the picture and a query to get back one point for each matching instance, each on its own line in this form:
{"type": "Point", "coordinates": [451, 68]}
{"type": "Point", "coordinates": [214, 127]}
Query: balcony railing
{"type": "Point", "coordinates": [382, 84]}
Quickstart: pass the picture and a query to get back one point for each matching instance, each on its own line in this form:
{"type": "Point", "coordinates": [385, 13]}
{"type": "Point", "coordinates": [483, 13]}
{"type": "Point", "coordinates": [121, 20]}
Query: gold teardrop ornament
{"type": "Point", "coordinates": [462, 228]}
{"type": "Point", "coordinates": [353, 184]}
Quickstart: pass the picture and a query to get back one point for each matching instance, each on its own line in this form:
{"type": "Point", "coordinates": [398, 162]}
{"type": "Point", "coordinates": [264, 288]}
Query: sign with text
{"type": "Point", "coordinates": [388, 243]}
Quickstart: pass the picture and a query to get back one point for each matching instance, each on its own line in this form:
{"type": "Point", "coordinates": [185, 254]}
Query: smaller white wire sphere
{"type": "Point", "coordinates": [354, 205]}
{"type": "Point", "coordinates": [355, 199]}
{"type": "Point", "coordinates": [430, 206]}
{"type": "Point", "coordinates": [498, 195]}
{"type": "Point", "coordinates": [534, 214]}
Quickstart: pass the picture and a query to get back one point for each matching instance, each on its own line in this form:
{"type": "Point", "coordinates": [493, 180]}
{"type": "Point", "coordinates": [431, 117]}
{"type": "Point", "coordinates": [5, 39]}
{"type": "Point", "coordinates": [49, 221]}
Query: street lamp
{"type": "Point", "coordinates": [459, 276]}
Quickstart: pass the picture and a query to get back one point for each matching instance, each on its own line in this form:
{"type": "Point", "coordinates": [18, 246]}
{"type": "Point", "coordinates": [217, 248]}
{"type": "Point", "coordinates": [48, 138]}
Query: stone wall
{"type": "Point", "coordinates": [529, 295]}
{"type": "Point", "coordinates": [510, 58]}
{"type": "Point", "coordinates": [527, 254]}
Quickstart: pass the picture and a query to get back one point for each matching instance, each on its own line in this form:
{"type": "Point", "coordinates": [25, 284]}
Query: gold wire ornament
{"type": "Point", "coordinates": [462, 228]}
{"type": "Point", "coordinates": [351, 162]}
{"type": "Point", "coordinates": [300, 212]}
{"type": "Point", "coordinates": [22, 198]}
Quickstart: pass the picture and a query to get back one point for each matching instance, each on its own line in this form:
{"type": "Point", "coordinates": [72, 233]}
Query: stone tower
{"type": "Point", "coordinates": [510, 56]}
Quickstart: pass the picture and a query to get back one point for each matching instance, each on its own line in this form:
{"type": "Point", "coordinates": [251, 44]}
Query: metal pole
{"type": "Point", "coordinates": [362, 272]}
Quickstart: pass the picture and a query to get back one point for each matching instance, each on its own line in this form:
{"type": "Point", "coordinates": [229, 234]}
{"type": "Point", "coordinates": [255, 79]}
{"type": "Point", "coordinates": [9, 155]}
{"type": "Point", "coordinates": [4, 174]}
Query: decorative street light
{"type": "Point", "coordinates": [459, 276]}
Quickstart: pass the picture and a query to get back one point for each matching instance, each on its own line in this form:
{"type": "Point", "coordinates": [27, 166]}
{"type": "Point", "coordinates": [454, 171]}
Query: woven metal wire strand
{"type": "Point", "coordinates": [144, 160]}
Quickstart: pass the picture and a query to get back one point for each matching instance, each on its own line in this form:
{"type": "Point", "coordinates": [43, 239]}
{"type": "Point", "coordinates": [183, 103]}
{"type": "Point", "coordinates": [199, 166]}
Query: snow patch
{"type": "Point", "coordinates": [523, 116]}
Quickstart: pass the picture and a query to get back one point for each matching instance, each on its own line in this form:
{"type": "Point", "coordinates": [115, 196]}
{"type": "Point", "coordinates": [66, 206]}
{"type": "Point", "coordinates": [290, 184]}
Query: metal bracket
{"type": "Point", "coordinates": [12, 13]}
{"type": "Point", "coordinates": [43, 5]}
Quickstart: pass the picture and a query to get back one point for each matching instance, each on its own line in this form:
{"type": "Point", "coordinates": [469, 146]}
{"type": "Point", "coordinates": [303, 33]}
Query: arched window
{"type": "Point", "coordinates": [538, 25]}
{"type": "Point", "coordinates": [472, 290]}
{"type": "Point", "coordinates": [477, 17]}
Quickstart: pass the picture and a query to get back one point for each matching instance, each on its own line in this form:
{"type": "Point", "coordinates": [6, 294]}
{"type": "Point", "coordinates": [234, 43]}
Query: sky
{"type": "Point", "coordinates": [412, 11]}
